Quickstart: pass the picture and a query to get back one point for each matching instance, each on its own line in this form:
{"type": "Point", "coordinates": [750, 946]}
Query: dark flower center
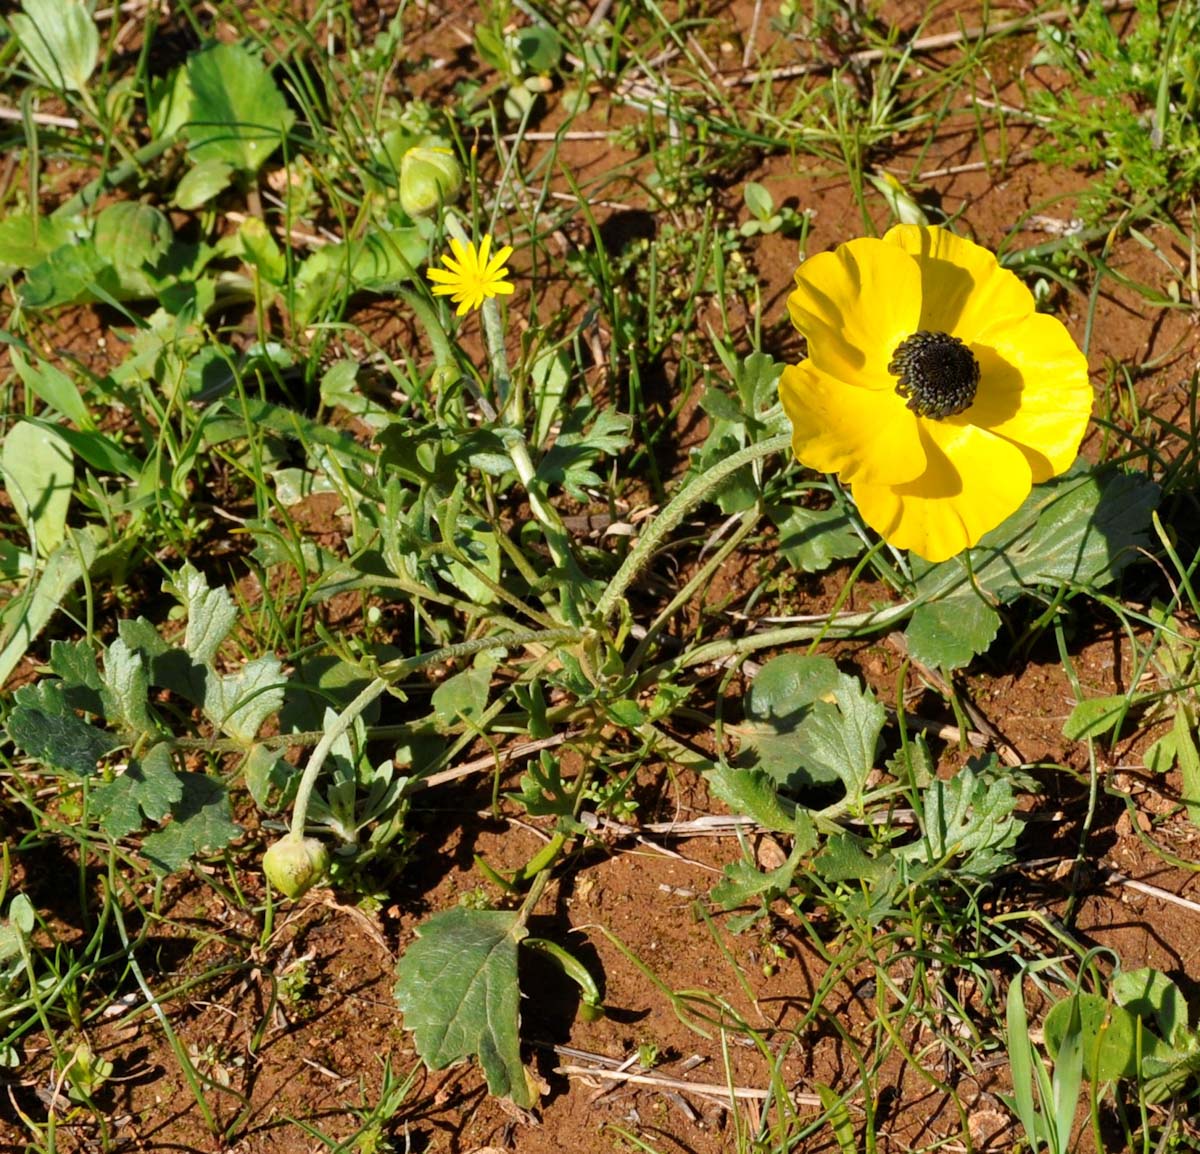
{"type": "Point", "coordinates": [938, 374]}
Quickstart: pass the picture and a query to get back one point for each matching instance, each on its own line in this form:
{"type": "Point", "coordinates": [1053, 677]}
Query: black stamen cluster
{"type": "Point", "coordinates": [938, 374]}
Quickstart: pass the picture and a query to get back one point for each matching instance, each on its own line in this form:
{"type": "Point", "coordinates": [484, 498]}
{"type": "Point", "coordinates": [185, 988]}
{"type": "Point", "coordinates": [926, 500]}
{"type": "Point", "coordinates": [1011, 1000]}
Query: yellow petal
{"type": "Point", "coordinates": [495, 266]}
{"type": "Point", "coordinates": [861, 434]}
{"type": "Point", "coordinates": [964, 291]}
{"type": "Point", "coordinates": [485, 246]}
{"type": "Point", "coordinates": [1034, 391]}
{"type": "Point", "coordinates": [855, 305]}
{"type": "Point", "coordinates": [971, 483]}
{"type": "Point", "coordinates": [442, 276]}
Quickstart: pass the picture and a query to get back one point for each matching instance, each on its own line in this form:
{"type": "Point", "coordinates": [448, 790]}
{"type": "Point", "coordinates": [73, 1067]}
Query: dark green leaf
{"type": "Point", "coordinates": [842, 740]}
{"type": "Point", "coordinates": [969, 819]}
{"type": "Point", "coordinates": [149, 786]}
{"type": "Point", "coordinates": [200, 821]}
{"type": "Point", "coordinates": [75, 663]}
{"type": "Point", "coordinates": [847, 857]}
{"type": "Point", "coordinates": [946, 634]}
{"type": "Point", "coordinates": [756, 795]}
{"type": "Point", "coordinates": [269, 777]}
{"type": "Point", "coordinates": [58, 739]}
{"type": "Point", "coordinates": [812, 539]}
{"type": "Point", "coordinates": [457, 987]}
{"type": "Point", "coordinates": [578, 448]}
{"type": "Point", "coordinates": [782, 696]}
{"type": "Point", "coordinates": [744, 882]}
{"type": "Point", "coordinates": [1082, 527]}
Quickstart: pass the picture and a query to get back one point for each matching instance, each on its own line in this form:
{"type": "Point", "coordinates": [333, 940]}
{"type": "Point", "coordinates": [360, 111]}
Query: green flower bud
{"type": "Point", "coordinates": [295, 864]}
{"type": "Point", "coordinates": [428, 177]}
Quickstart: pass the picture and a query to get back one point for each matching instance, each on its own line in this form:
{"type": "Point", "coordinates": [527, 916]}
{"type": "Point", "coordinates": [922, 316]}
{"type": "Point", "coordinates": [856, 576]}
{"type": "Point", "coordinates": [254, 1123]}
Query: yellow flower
{"type": "Point", "coordinates": [931, 387]}
{"type": "Point", "coordinates": [469, 276]}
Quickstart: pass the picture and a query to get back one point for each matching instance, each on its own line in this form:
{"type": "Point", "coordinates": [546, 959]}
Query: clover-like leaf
{"type": "Point", "coordinates": [457, 987]}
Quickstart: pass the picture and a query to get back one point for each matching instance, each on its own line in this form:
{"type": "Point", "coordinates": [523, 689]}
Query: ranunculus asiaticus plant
{"type": "Point", "coordinates": [932, 386]}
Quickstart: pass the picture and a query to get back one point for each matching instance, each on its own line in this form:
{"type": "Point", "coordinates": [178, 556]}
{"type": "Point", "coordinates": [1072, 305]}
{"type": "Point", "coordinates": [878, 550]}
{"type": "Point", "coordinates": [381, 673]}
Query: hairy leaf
{"type": "Point", "coordinates": [46, 728]}
{"type": "Point", "coordinates": [75, 663]}
{"type": "Point", "coordinates": [126, 692]}
{"type": "Point", "coordinates": [149, 786]}
{"type": "Point", "coordinates": [240, 702]}
{"type": "Point", "coordinates": [946, 634]}
{"type": "Point", "coordinates": [457, 987]}
{"type": "Point", "coordinates": [200, 821]}
{"type": "Point", "coordinates": [1082, 528]}
{"type": "Point", "coordinates": [211, 613]}
{"type": "Point", "coordinates": [971, 819]}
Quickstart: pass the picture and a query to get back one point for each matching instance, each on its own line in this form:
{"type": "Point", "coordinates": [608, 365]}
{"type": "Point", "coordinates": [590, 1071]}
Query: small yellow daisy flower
{"type": "Point", "coordinates": [470, 277]}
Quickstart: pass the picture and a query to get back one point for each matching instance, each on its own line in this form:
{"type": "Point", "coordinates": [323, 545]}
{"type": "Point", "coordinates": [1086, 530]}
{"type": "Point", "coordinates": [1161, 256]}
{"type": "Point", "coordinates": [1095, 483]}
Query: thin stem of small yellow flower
{"type": "Point", "coordinates": [502, 380]}
{"type": "Point", "coordinates": [511, 431]}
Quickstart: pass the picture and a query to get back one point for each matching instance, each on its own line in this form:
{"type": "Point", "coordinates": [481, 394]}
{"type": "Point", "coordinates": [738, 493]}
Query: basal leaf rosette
{"type": "Point", "coordinates": [932, 386]}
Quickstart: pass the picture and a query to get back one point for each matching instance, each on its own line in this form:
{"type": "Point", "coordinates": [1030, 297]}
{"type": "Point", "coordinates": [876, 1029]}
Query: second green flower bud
{"type": "Point", "coordinates": [429, 177]}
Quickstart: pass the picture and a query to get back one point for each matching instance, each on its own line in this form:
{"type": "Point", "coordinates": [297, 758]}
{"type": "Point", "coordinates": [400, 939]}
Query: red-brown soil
{"type": "Point", "coordinates": [275, 1063]}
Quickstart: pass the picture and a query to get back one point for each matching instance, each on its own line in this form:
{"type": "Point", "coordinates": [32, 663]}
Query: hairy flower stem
{"type": "Point", "coordinates": [512, 432]}
{"type": "Point", "coordinates": [392, 672]}
{"type": "Point", "coordinates": [677, 508]}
